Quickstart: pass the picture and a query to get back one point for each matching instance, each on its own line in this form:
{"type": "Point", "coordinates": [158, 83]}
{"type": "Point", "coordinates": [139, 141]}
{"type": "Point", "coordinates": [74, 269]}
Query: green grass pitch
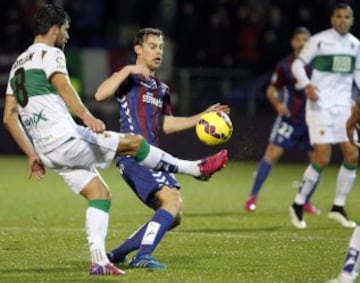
{"type": "Point", "coordinates": [42, 236]}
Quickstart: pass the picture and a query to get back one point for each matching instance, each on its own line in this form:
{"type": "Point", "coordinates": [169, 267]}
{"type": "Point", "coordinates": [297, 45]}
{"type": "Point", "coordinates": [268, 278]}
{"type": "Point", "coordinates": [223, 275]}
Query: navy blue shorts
{"type": "Point", "coordinates": [143, 181]}
{"type": "Point", "coordinates": [287, 135]}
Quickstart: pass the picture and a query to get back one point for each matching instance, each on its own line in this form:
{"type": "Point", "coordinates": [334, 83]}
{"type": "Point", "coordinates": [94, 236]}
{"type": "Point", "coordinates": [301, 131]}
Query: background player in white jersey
{"type": "Point", "coordinates": [335, 57]}
{"type": "Point", "coordinates": [39, 92]}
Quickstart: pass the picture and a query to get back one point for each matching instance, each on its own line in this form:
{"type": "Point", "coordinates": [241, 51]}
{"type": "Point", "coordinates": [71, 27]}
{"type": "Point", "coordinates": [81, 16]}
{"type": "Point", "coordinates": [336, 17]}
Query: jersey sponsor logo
{"type": "Point", "coordinates": [34, 119]}
{"type": "Point", "coordinates": [150, 99]}
{"type": "Point", "coordinates": [22, 61]}
{"type": "Point", "coordinates": [342, 64]}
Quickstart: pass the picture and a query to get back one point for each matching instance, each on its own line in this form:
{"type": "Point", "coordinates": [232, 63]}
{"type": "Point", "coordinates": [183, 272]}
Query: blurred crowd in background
{"type": "Point", "coordinates": [250, 34]}
{"type": "Point", "coordinates": [216, 51]}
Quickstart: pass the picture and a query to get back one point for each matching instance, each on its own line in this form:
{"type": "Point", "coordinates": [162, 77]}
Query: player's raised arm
{"type": "Point", "coordinates": [108, 87]}
{"type": "Point", "coordinates": [67, 92]}
{"type": "Point", "coordinates": [174, 124]}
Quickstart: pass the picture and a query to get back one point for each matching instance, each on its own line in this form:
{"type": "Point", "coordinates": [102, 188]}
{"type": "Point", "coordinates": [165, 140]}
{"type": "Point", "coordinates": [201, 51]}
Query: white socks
{"type": "Point", "coordinates": [344, 183]}
{"type": "Point", "coordinates": [97, 222]}
{"type": "Point", "coordinates": [163, 161]}
{"type": "Point", "coordinates": [310, 178]}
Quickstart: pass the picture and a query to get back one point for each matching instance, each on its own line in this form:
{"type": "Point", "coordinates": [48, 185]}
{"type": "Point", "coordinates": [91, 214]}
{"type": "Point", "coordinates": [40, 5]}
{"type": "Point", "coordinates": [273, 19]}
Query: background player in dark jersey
{"type": "Point", "coordinates": [144, 105]}
{"type": "Point", "coordinates": [289, 128]}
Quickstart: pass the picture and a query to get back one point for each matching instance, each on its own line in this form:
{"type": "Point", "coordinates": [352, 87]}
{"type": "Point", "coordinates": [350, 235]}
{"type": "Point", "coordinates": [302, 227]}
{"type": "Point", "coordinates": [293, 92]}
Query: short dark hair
{"type": "Point", "coordinates": [301, 30]}
{"type": "Point", "coordinates": [47, 16]}
{"type": "Point", "coordinates": [340, 5]}
{"type": "Point", "coordinates": [144, 33]}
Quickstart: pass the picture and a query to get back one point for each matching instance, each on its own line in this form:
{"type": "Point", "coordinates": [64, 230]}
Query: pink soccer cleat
{"type": "Point", "coordinates": [311, 209]}
{"type": "Point", "coordinates": [107, 269]}
{"type": "Point", "coordinates": [250, 204]}
{"type": "Point", "coordinates": [209, 165]}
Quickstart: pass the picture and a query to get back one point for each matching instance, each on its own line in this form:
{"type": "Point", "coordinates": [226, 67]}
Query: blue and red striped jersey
{"type": "Point", "coordinates": [142, 103]}
{"type": "Point", "coordinates": [285, 82]}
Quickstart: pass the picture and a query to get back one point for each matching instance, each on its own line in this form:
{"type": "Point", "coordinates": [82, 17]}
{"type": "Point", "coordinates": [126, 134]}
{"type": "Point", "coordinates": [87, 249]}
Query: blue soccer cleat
{"type": "Point", "coordinates": [146, 261]}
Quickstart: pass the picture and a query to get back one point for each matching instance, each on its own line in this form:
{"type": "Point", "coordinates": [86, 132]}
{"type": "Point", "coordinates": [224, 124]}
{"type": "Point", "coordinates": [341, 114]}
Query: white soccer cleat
{"type": "Point", "coordinates": [340, 218]}
{"type": "Point", "coordinates": [295, 221]}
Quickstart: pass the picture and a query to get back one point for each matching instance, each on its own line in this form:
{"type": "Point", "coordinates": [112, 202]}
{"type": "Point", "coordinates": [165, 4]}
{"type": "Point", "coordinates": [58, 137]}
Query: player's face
{"type": "Point", "coordinates": [152, 51]}
{"type": "Point", "coordinates": [298, 41]}
{"type": "Point", "coordinates": [342, 20]}
{"type": "Point", "coordinates": [63, 35]}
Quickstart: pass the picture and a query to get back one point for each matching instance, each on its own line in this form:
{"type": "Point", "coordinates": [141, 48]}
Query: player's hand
{"type": "Point", "coordinates": [310, 92]}
{"type": "Point", "coordinates": [94, 124]}
{"type": "Point", "coordinates": [139, 70]}
{"type": "Point", "coordinates": [36, 167]}
{"type": "Point", "coordinates": [351, 126]}
{"type": "Point", "coordinates": [282, 110]}
{"type": "Point", "coordinates": [218, 107]}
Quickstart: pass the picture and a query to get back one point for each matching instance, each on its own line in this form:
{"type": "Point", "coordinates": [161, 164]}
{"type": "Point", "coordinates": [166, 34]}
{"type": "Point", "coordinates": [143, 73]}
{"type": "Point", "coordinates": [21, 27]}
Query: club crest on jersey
{"type": "Point", "coordinates": [150, 99]}
{"type": "Point", "coordinates": [60, 61]}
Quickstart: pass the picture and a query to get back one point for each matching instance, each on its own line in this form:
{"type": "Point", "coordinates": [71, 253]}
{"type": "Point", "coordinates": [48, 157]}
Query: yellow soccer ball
{"type": "Point", "coordinates": [214, 128]}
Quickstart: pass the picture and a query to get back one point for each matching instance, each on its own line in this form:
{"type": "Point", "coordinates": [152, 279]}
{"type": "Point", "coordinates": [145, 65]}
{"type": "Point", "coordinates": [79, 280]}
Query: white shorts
{"type": "Point", "coordinates": [76, 160]}
{"type": "Point", "coordinates": [327, 125]}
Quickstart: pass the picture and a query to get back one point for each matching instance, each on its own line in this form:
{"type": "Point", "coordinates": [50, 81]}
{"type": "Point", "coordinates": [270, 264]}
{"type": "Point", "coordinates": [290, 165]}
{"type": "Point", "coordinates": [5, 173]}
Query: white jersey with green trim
{"type": "Point", "coordinates": [334, 59]}
{"type": "Point", "coordinates": [41, 109]}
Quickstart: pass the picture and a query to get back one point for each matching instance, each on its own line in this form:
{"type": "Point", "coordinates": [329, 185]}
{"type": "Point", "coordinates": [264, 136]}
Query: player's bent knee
{"type": "Point", "coordinates": [129, 144]}
{"type": "Point", "coordinates": [169, 199]}
{"type": "Point", "coordinates": [96, 189]}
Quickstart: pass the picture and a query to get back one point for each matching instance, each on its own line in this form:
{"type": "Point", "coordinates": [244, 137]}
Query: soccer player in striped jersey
{"type": "Point", "coordinates": [335, 58]}
{"type": "Point", "coordinates": [289, 129]}
{"type": "Point", "coordinates": [144, 105]}
{"type": "Point", "coordinates": [37, 96]}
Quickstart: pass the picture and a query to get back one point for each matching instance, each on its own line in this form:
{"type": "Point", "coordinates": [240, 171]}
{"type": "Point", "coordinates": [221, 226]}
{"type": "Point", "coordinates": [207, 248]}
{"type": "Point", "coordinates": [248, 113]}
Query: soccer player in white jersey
{"type": "Point", "coordinates": [38, 94]}
{"type": "Point", "coordinates": [335, 57]}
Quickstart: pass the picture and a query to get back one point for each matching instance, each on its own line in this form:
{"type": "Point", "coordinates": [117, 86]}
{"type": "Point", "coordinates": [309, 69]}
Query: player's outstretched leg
{"type": "Point", "coordinates": [154, 158]}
